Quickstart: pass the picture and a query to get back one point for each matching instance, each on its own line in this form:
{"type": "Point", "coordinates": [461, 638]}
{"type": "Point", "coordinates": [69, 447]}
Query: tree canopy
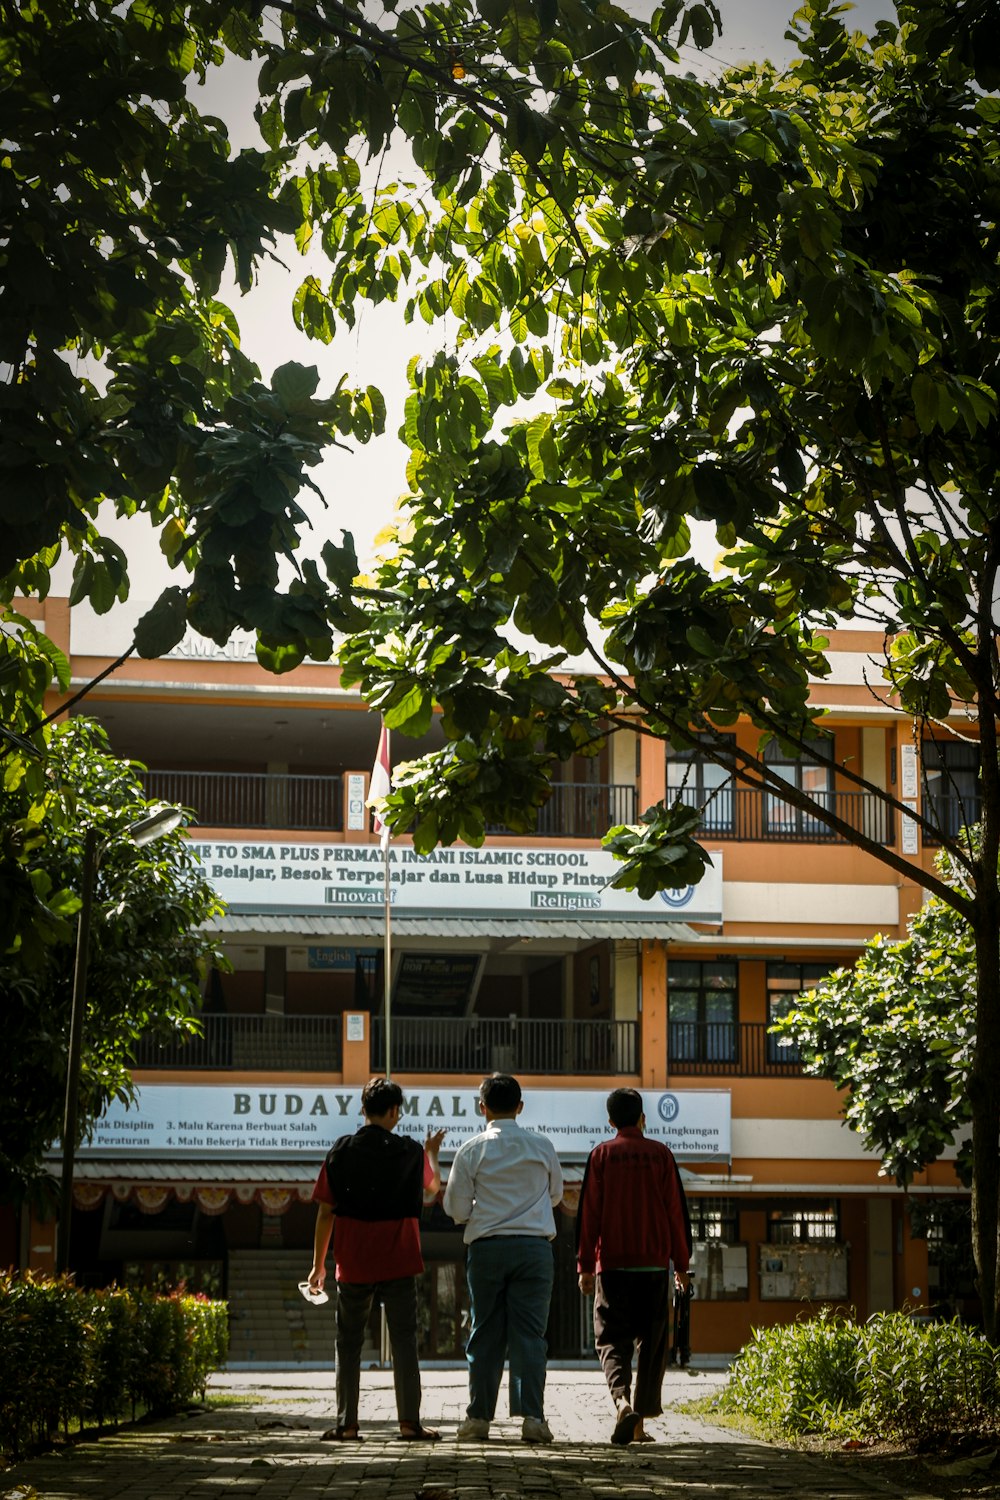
{"type": "Point", "coordinates": [781, 322]}
{"type": "Point", "coordinates": [148, 958]}
{"type": "Point", "coordinates": [896, 1032]}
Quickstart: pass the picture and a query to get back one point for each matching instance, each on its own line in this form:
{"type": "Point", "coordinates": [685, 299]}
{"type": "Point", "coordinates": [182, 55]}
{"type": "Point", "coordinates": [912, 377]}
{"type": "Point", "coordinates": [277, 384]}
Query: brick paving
{"type": "Point", "coordinates": [267, 1447]}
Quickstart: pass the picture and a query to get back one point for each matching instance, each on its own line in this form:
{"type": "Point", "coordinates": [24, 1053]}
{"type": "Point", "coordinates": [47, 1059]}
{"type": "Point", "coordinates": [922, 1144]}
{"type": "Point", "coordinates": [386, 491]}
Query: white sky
{"type": "Point", "coordinates": [362, 489]}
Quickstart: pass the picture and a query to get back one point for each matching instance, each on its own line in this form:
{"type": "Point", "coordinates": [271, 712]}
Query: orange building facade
{"type": "Point", "coordinates": [514, 957]}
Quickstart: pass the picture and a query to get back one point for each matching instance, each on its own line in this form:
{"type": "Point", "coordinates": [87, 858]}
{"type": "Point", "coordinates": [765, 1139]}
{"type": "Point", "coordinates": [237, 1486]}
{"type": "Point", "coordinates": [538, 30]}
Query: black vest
{"type": "Point", "coordinates": [376, 1175]}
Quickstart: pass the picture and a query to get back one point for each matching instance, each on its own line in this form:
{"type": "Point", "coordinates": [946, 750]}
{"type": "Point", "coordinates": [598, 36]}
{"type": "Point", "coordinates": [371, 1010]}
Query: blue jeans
{"type": "Point", "coordinates": [510, 1288]}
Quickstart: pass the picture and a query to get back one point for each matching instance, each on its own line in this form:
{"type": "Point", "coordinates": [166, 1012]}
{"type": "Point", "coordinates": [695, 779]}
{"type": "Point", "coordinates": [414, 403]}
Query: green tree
{"type": "Point", "coordinates": [121, 204]}
{"type": "Point", "coordinates": [896, 1033]}
{"type": "Point", "coordinates": [780, 322]}
{"type": "Point", "coordinates": [767, 305]}
{"type": "Point", "coordinates": [148, 954]}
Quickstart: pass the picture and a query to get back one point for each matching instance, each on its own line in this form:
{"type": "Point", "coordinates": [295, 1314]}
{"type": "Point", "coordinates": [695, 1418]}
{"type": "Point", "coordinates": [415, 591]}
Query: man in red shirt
{"type": "Point", "coordinates": [369, 1194]}
{"type": "Point", "coordinates": [631, 1224]}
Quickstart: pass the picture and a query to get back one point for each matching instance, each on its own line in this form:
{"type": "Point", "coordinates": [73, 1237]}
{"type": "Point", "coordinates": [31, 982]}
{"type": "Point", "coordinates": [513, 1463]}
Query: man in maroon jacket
{"type": "Point", "coordinates": [632, 1223]}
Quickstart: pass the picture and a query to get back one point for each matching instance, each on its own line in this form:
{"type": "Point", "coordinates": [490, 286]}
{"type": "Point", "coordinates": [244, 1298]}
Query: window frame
{"type": "Point", "coordinates": [718, 802]}
{"type": "Point", "coordinates": [776, 1051]}
{"type": "Point", "coordinates": [780, 817]}
{"type": "Point", "coordinates": [952, 794]}
{"type": "Point", "coordinates": [722, 1046]}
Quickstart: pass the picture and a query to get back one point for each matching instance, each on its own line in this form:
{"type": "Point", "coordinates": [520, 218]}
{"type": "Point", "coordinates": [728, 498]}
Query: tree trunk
{"type": "Point", "coordinates": [984, 1096]}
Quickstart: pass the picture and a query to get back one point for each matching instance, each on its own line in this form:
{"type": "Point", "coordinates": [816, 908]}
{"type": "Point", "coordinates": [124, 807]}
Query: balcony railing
{"type": "Point", "coordinates": [717, 1048]}
{"type": "Point", "coordinates": [278, 1044]}
{"type": "Point", "coordinates": [474, 1044]}
{"type": "Point", "coordinates": [237, 799]}
{"type": "Point", "coordinates": [748, 816]}
{"type": "Point", "coordinates": [950, 814]}
{"type": "Point", "coordinates": [582, 810]}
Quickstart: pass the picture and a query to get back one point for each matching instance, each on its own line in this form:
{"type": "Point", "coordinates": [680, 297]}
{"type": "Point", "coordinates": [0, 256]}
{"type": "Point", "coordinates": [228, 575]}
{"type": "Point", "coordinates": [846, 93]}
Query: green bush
{"type": "Point", "coordinates": [113, 1359]}
{"type": "Point", "coordinates": [891, 1377]}
{"type": "Point", "coordinates": [68, 1355]}
{"type": "Point", "coordinates": [922, 1380]}
{"type": "Point", "coordinates": [799, 1378]}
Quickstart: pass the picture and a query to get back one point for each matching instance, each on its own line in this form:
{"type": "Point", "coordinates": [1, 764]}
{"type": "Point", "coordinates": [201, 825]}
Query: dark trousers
{"type": "Point", "coordinates": [632, 1309]}
{"type": "Point", "coordinates": [510, 1288]}
{"type": "Point", "coordinates": [355, 1300]}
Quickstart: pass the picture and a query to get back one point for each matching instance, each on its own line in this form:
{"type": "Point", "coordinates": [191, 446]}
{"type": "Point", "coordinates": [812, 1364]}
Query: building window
{"type": "Point", "coordinates": [714, 1219]}
{"type": "Point", "coordinates": [804, 774]}
{"type": "Point", "coordinates": [803, 1223]}
{"type": "Point", "coordinates": [695, 781]}
{"type": "Point", "coordinates": [701, 999]}
{"type": "Point", "coordinates": [951, 784]}
{"type": "Point", "coordinates": [785, 983]}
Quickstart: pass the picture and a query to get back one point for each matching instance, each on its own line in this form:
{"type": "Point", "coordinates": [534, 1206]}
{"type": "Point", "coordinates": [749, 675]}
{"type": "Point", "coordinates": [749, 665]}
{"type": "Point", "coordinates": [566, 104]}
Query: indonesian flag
{"type": "Point", "coordinates": [380, 786]}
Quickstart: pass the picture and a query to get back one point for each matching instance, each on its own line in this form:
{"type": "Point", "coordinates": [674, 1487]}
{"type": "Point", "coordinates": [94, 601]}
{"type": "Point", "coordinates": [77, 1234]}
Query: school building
{"type": "Point", "coordinates": [514, 957]}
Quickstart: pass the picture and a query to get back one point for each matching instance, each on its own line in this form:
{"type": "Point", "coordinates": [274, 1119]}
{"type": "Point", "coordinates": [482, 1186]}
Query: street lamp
{"type": "Point", "coordinates": [163, 819]}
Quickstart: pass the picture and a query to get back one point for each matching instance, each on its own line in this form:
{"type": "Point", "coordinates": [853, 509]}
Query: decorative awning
{"type": "Point", "coordinates": [261, 925]}
{"type": "Point", "coordinates": [273, 1186]}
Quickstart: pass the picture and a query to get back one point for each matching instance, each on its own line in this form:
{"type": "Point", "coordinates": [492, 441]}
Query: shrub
{"type": "Point", "coordinates": [799, 1378]}
{"type": "Point", "coordinates": [891, 1377]}
{"type": "Point", "coordinates": [68, 1355]}
{"type": "Point", "coordinates": [925, 1380]}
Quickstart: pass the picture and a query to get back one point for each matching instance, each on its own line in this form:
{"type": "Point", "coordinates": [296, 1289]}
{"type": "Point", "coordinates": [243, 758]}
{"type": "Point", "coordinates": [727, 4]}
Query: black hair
{"type": "Point", "coordinates": [624, 1107]}
{"type": "Point", "coordinates": [500, 1093]}
{"type": "Point", "coordinates": [379, 1095]}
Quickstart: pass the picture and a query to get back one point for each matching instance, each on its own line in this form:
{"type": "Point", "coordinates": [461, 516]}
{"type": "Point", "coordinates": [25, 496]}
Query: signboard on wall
{"type": "Point", "coordinates": [491, 881]}
{"type": "Point", "coordinates": [208, 1121]}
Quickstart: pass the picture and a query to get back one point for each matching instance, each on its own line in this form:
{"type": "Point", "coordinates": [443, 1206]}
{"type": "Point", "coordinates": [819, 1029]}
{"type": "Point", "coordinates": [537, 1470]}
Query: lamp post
{"type": "Point", "coordinates": [163, 819]}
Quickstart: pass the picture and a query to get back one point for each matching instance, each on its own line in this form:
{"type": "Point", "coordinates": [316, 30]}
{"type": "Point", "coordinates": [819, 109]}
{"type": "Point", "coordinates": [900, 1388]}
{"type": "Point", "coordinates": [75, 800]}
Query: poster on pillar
{"type": "Point", "coordinates": [494, 881]}
{"type": "Point", "coordinates": [191, 1121]}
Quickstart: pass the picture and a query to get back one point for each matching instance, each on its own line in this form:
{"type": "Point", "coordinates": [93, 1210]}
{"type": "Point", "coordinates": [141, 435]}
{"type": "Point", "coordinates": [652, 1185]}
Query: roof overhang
{"type": "Point", "coordinates": [339, 928]}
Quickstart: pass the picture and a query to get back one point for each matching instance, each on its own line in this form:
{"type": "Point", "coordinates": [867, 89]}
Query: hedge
{"type": "Point", "coordinates": [893, 1376]}
{"type": "Point", "coordinates": [70, 1356]}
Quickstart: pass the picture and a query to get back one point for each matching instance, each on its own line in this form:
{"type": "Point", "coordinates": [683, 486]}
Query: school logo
{"type": "Point", "coordinates": [668, 1108]}
{"type": "Point", "coordinates": [677, 899]}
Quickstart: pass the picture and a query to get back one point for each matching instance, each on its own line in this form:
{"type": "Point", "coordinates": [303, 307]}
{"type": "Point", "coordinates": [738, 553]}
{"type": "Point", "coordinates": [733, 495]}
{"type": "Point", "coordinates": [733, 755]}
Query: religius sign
{"type": "Point", "coordinates": [496, 880]}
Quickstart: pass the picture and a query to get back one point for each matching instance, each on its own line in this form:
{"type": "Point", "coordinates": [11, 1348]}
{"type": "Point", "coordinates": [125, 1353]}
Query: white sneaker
{"type": "Point", "coordinates": [536, 1430]}
{"type": "Point", "coordinates": [473, 1430]}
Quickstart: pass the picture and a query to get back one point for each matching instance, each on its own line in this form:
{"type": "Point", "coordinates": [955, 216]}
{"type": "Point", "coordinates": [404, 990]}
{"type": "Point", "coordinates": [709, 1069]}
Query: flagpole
{"type": "Point", "coordinates": [387, 966]}
{"type": "Point", "coordinates": [379, 787]}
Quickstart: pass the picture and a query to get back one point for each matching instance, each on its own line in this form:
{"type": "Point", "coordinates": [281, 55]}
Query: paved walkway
{"type": "Point", "coordinates": [264, 1443]}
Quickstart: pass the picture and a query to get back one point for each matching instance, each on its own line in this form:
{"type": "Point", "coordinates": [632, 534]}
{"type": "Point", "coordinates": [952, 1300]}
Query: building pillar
{"type": "Point", "coordinates": [653, 1045]}
{"type": "Point", "coordinates": [355, 1047]}
{"type": "Point", "coordinates": [41, 1244]}
{"type": "Point", "coordinates": [914, 1291]}
{"type": "Point", "coordinates": [880, 1288]}
{"type": "Point", "coordinates": [652, 772]}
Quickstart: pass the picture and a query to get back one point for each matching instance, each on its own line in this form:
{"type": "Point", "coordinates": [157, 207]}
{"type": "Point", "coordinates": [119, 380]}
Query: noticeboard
{"type": "Point", "coordinates": [436, 984]}
{"type": "Point", "coordinates": [803, 1273]}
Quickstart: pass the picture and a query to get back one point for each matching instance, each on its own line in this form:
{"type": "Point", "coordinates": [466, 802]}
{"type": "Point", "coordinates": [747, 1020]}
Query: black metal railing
{"type": "Point", "coordinates": [279, 1044]}
{"type": "Point", "coordinates": [748, 816]}
{"type": "Point", "coordinates": [251, 799]}
{"type": "Point", "coordinates": [581, 810]}
{"type": "Point", "coordinates": [714, 1048]}
{"type": "Point", "coordinates": [475, 1044]}
{"type": "Point", "coordinates": [950, 815]}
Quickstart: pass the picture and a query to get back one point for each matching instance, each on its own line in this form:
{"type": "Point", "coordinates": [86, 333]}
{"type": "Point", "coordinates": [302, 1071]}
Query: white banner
{"type": "Point", "coordinates": [208, 1121]}
{"type": "Point", "coordinates": [492, 881]}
